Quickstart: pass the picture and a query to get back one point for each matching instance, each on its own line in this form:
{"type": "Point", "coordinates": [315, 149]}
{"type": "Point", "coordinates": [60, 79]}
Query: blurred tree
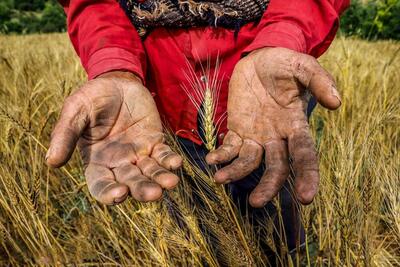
{"type": "Point", "coordinates": [374, 19]}
{"type": "Point", "coordinates": [25, 16]}
{"type": "Point", "coordinates": [53, 18]}
{"type": "Point", "coordinates": [386, 23]}
{"type": "Point", "coordinates": [26, 5]}
{"type": "Point", "coordinates": [5, 10]}
{"type": "Point", "coordinates": [355, 19]}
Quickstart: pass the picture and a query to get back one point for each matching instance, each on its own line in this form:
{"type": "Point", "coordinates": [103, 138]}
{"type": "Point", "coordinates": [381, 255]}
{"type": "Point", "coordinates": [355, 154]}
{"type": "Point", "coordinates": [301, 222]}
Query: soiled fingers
{"type": "Point", "coordinates": [143, 182]}
{"type": "Point", "coordinates": [71, 124]}
{"type": "Point", "coordinates": [248, 153]}
{"type": "Point", "coordinates": [158, 174]}
{"type": "Point", "coordinates": [249, 159]}
{"type": "Point", "coordinates": [119, 175]}
{"type": "Point", "coordinates": [227, 151]}
{"type": "Point", "coordinates": [103, 186]}
{"type": "Point", "coordinates": [165, 157]}
{"type": "Point", "coordinates": [315, 78]}
{"type": "Point", "coordinates": [305, 164]}
{"type": "Point", "coordinates": [275, 175]}
{"type": "Point", "coordinates": [141, 187]}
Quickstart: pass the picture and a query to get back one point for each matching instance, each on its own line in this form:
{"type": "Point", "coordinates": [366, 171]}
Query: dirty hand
{"type": "Point", "coordinates": [116, 124]}
{"type": "Point", "coordinates": [268, 96]}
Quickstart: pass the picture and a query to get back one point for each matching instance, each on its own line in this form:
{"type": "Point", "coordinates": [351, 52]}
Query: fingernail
{"type": "Point", "coordinates": [335, 93]}
{"type": "Point", "coordinates": [120, 199]}
{"type": "Point", "coordinates": [47, 154]}
{"type": "Point", "coordinates": [338, 98]}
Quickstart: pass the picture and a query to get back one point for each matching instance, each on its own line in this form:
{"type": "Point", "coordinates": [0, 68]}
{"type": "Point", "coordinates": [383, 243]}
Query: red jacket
{"type": "Point", "coordinates": [105, 40]}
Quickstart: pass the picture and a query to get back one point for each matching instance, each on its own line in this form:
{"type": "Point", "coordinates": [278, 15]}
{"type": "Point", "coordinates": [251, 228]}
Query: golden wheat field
{"type": "Point", "coordinates": [47, 216]}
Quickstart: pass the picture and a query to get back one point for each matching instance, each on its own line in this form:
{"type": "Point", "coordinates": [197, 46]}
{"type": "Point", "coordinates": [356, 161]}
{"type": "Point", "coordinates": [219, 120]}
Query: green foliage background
{"type": "Point", "coordinates": [24, 16]}
{"type": "Point", "coordinates": [379, 19]}
{"type": "Point", "coordinates": [368, 19]}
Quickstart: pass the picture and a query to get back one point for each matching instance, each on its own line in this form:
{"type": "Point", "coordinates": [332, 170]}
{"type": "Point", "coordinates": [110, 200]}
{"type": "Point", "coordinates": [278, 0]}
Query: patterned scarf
{"type": "Point", "coordinates": [230, 14]}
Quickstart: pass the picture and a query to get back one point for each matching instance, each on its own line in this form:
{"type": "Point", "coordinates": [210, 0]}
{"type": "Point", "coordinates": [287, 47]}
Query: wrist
{"type": "Point", "coordinates": [279, 34]}
{"type": "Point", "coordinates": [116, 59]}
{"type": "Point", "coordinates": [260, 51]}
{"type": "Point", "coordinates": [121, 75]}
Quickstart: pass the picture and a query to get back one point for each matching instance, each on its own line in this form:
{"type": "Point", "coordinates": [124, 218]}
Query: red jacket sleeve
{"type": "Point", "coordinates": [307, 26]}
{"type": "Point", "coordinates": [103, 37]}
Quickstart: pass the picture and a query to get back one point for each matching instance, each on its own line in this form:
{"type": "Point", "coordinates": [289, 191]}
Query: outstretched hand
{"type": "Point", "coordinates": [268, 97]}
{"type": "Point", "coordinates": [115, 121]}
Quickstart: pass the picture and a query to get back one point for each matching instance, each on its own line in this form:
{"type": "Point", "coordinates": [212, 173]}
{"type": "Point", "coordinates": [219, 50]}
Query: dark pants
{"type": "Point", "coordinates": [288, 220]}
{"type": "Point", "coordinates": [240, 191]}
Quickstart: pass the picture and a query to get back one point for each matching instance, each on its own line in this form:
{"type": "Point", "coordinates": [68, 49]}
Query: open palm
{"type": "Point", "coordinates": [117, 126]}
{"type": "Point", "coordinates": [268, 96]}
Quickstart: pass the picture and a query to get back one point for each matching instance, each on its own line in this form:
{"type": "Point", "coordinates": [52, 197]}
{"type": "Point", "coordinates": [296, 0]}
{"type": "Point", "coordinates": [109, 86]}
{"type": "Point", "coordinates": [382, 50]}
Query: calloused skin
{"type": "Point", "coordinates": [115, 122]}
{"type": "Point", "coordinates": [116, 125]}
{"type": "Point", "coordinates": [268, 95]}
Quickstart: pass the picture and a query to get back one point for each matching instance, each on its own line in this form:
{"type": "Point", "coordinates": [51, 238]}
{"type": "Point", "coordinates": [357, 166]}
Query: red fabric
{"type": "Point", "coordinates": [103, 37]}
{"type": "Point", "coordinates": [105, 40]}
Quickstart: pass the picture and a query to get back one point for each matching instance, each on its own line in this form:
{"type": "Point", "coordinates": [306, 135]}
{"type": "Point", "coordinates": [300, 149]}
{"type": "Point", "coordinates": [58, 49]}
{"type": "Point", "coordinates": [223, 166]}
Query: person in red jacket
{"type": "Point", "coordinates": [136, 53]}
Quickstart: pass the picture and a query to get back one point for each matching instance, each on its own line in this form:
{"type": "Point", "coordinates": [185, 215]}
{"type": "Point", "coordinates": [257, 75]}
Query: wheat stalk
{"type": "Point", "coordinates": [357, 143]}
{"type": "Point", "coordinates": [204, 94]}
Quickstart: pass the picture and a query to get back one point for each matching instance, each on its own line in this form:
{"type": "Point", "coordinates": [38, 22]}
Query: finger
{"type": "Point", "coordinates": [315, 78]}
{"type": "Point", "coordinates": [163, 177]}
{"type": "Point", "coordinates": [102, 185]}
{"type": "Point", "coordinates": [145, 142]}
{"type": "Point", "coordinates": [140, 187]}
{"type": "Point", "coordinates": [305, 164]}
{"type": "Point", "coordinates": [276, 173]}
{"type": "Point", "coordinates": [72, 122]}
{"type": "Point", "coordinates": [166, 157]}
{"type": "Point", "coordinates": [249, 159]}
{"type": "Point", "coordinates": [227, 151]}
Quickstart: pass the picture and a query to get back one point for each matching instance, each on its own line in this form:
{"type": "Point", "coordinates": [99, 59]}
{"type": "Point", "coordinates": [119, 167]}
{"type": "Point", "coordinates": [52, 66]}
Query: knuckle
{"type": "Point", "coordinates": [70, 101]}
{"type": "Point", "coordinates": [127, 171]}
{"type": "Point", "coordinates": [298, 63]}
{"type": "Point", "coordinates": [156, 172]}
{"type": "Point", "coordinates": [304, 65]}
{"type": "Point", "coordinates": [164, 155]}
{"type": "Point", "coordinates": [278, 169]}
{"type": "Point", "coordinates": [249, 162]}
{"type": "Point", "coordinates": [306, 153]}
{"type": "Point", "coordinates": [304, 58]}
{"type": "Point", "coordinates": [73, 104]}
{"type": "Point", "coordinates": [241, 64]}
{"type": "Point", "coordinates": [268, 183]}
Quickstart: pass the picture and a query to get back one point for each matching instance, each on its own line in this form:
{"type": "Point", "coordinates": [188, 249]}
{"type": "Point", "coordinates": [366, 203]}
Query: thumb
{"type": "Point", "coordinates": [316, 79]}
{"type": "Point", "coordinates": [73, 120]}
